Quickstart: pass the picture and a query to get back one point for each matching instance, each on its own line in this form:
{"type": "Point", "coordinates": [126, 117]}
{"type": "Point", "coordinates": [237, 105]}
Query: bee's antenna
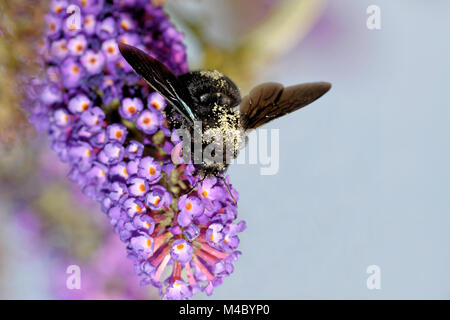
{"type": "Point", "coordinates": [228, 188]}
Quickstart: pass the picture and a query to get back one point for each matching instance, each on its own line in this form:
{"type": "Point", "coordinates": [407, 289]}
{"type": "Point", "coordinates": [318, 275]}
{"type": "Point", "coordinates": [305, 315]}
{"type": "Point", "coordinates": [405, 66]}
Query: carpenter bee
{"type": "Point", "coordinates": [205, 103]}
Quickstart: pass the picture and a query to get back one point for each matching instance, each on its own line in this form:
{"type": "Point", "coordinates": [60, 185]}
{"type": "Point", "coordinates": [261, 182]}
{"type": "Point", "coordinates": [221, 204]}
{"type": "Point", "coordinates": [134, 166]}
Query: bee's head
{"type": "Point", "coordinates": [209, 88]}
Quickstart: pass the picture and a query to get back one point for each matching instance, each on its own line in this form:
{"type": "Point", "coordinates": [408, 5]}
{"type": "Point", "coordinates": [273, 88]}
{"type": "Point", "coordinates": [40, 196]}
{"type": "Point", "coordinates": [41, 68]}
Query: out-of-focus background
{"type": "Point", "coordinates": [364, 173]}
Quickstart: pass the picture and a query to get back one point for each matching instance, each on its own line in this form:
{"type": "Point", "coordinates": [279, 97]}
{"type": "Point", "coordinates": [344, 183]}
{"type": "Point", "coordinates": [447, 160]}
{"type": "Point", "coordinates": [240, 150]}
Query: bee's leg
{"type": "Point", "coordinates": [228, 188]}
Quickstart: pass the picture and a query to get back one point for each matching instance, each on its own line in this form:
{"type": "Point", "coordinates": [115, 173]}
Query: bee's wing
{"type": "Point", "coordinates": [160, 78]}
{"type": "Point", "coordinates": [269, 101]}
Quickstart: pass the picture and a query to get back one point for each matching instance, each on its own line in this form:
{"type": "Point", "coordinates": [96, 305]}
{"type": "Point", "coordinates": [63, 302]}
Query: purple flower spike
{"type": "Point", "coordinates": [109, 126]}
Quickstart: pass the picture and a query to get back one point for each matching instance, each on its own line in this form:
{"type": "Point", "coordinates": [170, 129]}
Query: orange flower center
{"type": "Point", "coordinates": [149, 243]}
{"type": "Point", "coordinates": [188, 206]}
{"type": "Point", "coordinates": [85, 106]}
{"type": "Point", "coordinates": [142, 187]}
{"type": "Point", "coordinates": [152, 171]}
{"type": "Point", "coordinates": [118, 134]}
{"type": "Point", "coordinates": [205, 193]}
{"type": "Point", "coordinates": [157, 200]}
{"type": "Point", "coordinates": [147, 121]}
{"type": "Point", "coordinates": [131, 109]}
{"type": "Point", "coordinates": [156, 105]}
{"type": "Point", "coordinates": [180, 246]}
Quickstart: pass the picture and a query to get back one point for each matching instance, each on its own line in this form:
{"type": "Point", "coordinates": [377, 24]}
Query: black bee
{"type": "Point", "coordinates": [205, 102]}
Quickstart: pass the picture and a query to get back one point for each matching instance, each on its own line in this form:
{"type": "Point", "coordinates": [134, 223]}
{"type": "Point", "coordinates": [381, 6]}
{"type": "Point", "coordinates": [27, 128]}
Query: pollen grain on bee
{"type": "Point", "coordinates": [214, 146]}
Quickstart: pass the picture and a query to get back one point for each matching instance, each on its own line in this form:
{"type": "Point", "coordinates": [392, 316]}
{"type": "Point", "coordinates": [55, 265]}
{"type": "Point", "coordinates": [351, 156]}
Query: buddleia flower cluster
{"type": "Point", "coordinates": [110, 127]}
